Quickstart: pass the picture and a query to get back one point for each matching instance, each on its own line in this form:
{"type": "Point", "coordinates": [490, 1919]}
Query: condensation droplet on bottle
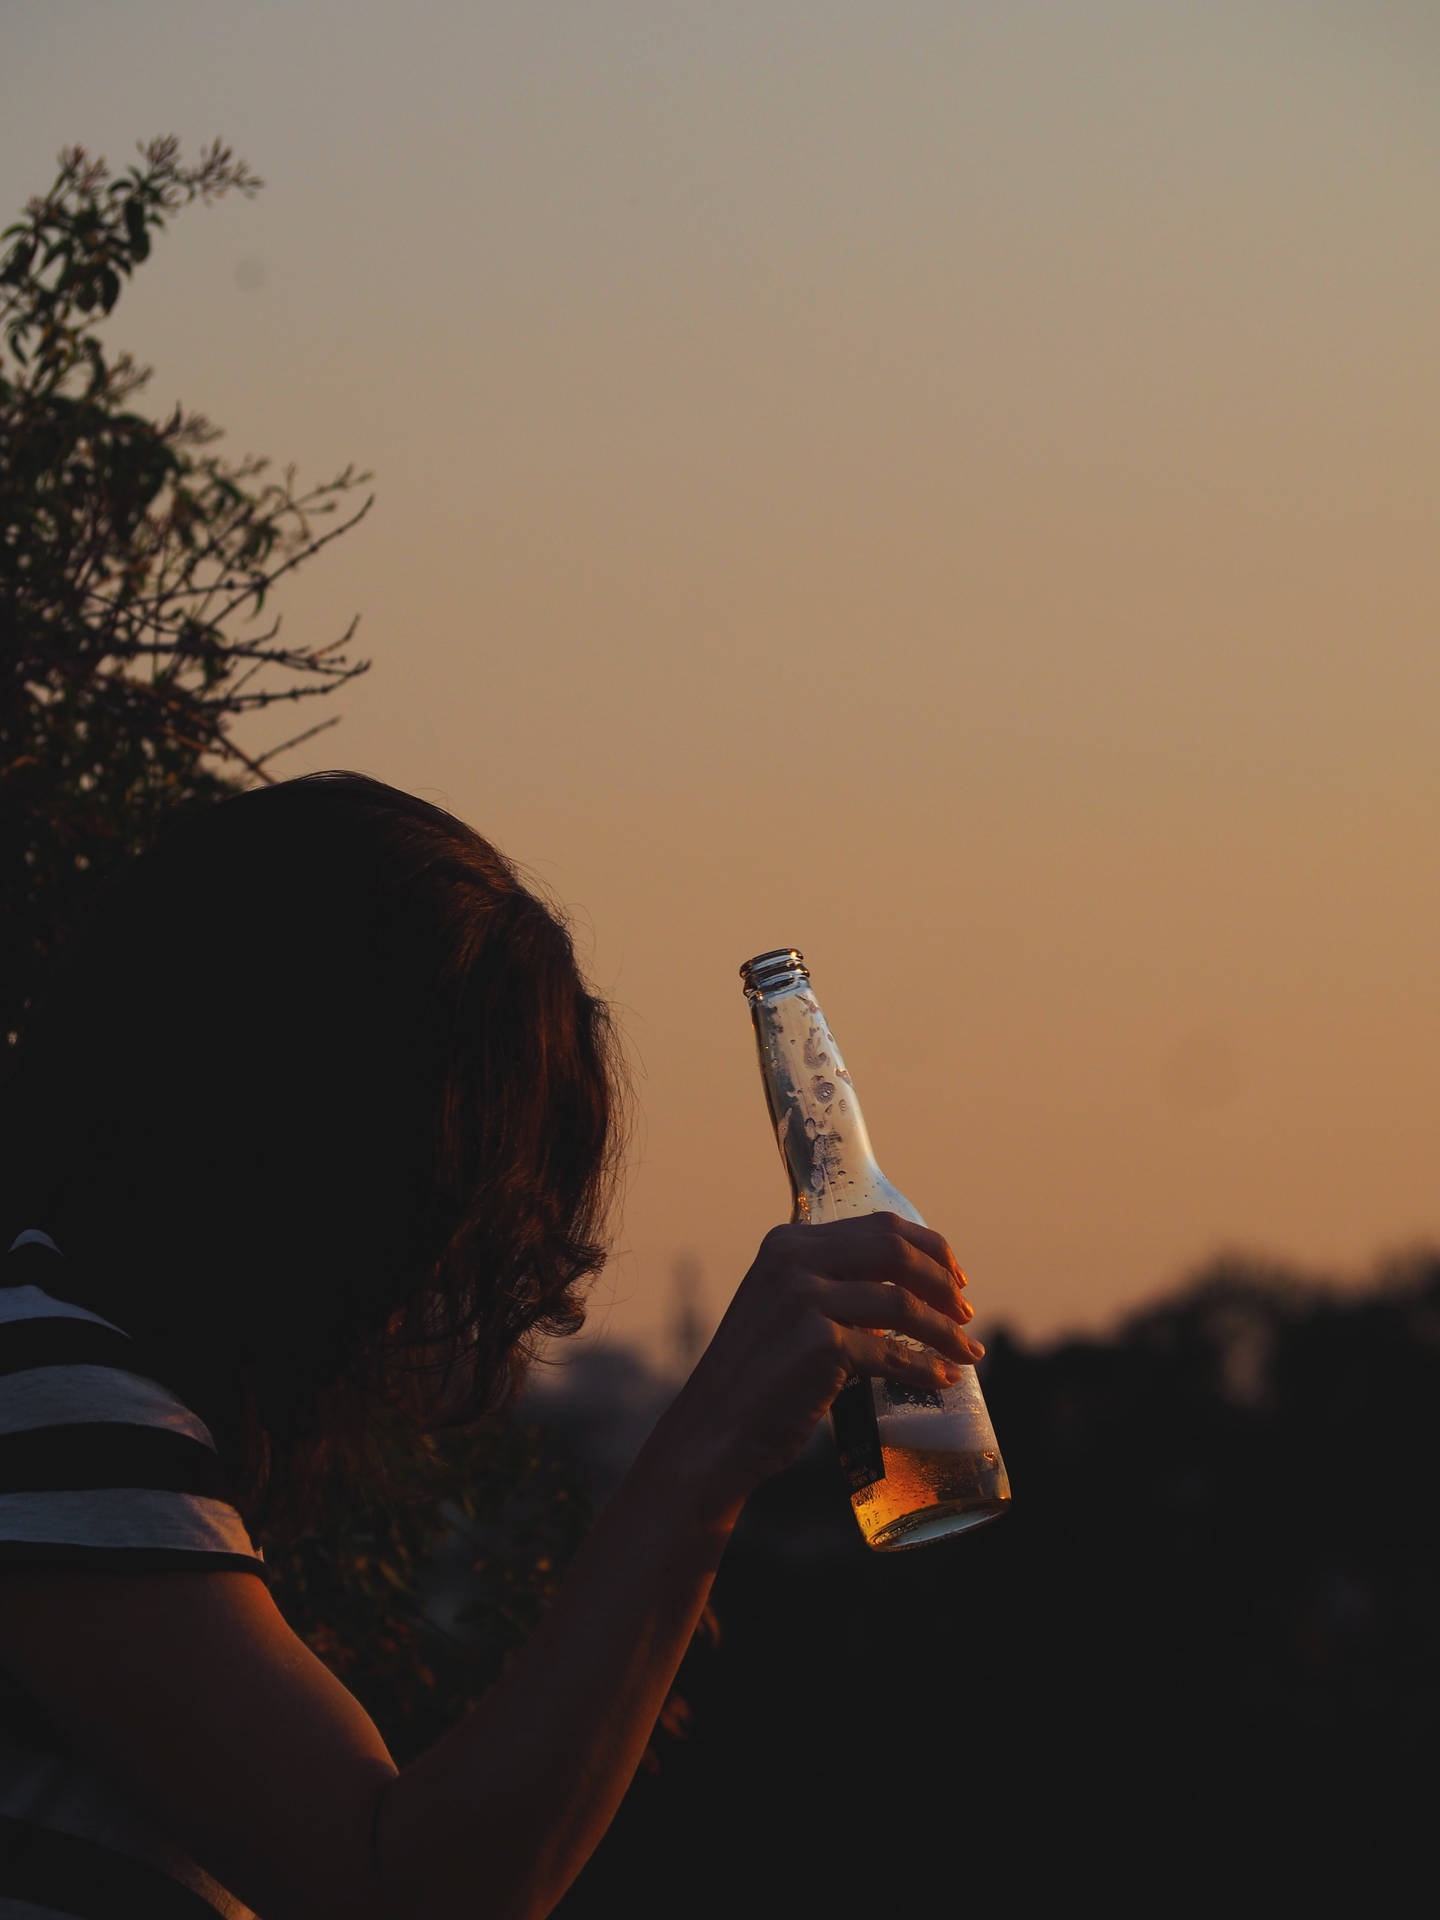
{"type": "Point", "coordinates": [815, 1054]}
{"type": "Point", "coordinates": [823, 1089]}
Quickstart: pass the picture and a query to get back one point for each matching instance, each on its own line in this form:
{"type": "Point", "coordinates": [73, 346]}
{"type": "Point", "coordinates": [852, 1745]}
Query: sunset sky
{"type": "Point", "coordinates": [952, 486]}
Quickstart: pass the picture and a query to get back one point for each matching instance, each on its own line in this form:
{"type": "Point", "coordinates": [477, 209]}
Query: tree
{"type": "Point", "coordinates": [136, 565]}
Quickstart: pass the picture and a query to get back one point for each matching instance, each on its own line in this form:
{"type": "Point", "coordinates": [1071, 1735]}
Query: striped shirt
{"type": "Point", "coordinates": [102, 1466]}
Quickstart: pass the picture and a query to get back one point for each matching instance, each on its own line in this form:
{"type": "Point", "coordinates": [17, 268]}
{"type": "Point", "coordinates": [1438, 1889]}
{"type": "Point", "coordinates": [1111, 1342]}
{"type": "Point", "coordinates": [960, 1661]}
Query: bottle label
{"type": "Point", "coordinates": [857, 1435]}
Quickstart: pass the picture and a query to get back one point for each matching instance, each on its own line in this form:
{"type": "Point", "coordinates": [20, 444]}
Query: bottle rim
{"type": "Point", "coordinates": [769, 969]}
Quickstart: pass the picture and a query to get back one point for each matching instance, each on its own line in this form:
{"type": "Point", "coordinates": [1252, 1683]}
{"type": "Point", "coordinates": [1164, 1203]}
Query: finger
{"type": "Point", "coordinates": [883, 1246]}
{"type": "Point", "coordinates": [876, 1303]}
{"type": "Point", "coordinates": [873, 1355]}
{"type": "Point", "coordinates": [885, 1224]}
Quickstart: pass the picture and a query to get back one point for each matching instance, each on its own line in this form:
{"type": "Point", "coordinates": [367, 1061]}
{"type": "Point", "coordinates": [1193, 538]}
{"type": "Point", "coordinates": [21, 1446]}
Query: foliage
{"type": "Point", "coordinates": [1204, 1647]}
{"type": "Point", "coordinates": [473, 1530]}
{"type": "Point", "coordinates": [418, 1594]}
{"type": "Point", "coordinates": [136, 564]}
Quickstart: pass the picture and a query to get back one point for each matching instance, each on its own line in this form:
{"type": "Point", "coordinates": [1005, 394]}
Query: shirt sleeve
{"type": "Point", "coordinates": [100, 1463]}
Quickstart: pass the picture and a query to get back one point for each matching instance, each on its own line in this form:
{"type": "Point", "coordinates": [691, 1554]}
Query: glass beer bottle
{"type": "Point", "coordinates": [921, 1463]}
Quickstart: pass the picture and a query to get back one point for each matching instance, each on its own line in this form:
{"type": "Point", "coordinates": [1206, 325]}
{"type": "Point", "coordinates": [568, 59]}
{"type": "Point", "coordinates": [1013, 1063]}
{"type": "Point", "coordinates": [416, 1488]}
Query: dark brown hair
{"type": "Point", "coordinates": [321, 1107]}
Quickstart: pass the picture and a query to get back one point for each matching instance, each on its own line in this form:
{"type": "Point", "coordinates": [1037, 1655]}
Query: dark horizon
{"type": "Point", "coordinates": [1220, 1578]}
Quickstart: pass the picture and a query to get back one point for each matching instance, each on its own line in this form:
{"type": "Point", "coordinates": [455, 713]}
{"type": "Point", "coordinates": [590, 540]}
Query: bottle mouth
{"type": "Point", "coordinates": [780, 966]}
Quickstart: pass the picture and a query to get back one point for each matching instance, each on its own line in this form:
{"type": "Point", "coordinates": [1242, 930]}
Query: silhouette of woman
{"type": "Point", "coordinates": [320, 1120]}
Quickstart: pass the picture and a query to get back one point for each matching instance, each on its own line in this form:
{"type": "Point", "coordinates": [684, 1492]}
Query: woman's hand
{"type": "Point", "coordinates": [817, 1307]}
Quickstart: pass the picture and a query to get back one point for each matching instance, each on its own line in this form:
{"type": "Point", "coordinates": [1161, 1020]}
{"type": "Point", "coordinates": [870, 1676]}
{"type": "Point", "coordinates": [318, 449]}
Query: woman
{"type": "Point", "coordinates": [321, 1121]}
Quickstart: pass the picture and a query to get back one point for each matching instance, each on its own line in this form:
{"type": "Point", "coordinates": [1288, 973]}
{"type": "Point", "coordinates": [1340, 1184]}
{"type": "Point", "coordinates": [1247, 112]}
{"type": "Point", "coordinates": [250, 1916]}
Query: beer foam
{"type": "Point", "coordinates": [962, 1427]}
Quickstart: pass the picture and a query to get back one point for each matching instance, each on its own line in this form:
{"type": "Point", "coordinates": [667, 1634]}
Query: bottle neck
{"type": "Point", "coordinates": [818, 1124]}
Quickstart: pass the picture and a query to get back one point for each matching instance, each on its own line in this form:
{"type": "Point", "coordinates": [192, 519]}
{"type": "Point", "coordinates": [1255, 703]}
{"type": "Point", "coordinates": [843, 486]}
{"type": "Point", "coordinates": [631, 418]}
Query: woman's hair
{"type": "Point", "coordinates": [321, 1106]}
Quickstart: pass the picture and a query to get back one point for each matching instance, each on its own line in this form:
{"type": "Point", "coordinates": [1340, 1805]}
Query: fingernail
{"type": "Point", "coordinates": [975, 1347]}
{"type": "Point", "coordinates": [952, 1370]}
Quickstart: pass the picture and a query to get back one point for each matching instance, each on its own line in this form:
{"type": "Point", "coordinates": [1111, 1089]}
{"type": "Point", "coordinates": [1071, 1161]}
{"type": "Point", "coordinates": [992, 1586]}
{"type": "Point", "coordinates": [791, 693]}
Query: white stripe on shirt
{"type": "Point", "coordinates": [33, 1303]}
{"type": "Point", "coordinates": [150, 1518]}
{"type": "Point", "coordinates": [63, 1395]}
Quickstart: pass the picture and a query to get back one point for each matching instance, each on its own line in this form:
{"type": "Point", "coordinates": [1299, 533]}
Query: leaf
{"type": "Point", "coordinates": [134, 214]}
{"type": "Point", "coordinates": [18, 265]}
{"type": "Point", "coordinates": [109, 288]}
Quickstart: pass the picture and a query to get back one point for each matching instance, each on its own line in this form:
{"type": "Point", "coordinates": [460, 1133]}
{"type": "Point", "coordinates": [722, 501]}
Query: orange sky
{"type": "Point", "coordinates": [952, 486]}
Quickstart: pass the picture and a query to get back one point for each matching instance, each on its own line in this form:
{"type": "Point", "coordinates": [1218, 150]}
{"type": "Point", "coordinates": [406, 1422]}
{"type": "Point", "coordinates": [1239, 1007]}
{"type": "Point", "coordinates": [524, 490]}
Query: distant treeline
{"type": "Point", "coordinates": [1203, 1644]}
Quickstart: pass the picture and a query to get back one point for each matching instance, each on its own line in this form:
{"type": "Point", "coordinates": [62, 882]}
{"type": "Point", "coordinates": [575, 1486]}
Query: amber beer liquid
{"type": "Point", "coordinates": [921, 1463]}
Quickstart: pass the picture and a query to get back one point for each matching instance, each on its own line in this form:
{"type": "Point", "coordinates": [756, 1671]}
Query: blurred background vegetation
{"type": "Point", "coordinates": [1198, 1658]}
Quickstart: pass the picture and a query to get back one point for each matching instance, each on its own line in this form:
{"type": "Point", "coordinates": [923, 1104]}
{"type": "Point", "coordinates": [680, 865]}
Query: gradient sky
{"type": "Point", "coordinates": [951, 486]}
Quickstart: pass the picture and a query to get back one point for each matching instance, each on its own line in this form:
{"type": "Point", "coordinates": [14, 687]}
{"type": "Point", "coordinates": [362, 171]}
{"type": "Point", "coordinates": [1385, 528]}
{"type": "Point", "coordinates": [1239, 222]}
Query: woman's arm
{"type": "Point", "coordinates": [254, 1758]}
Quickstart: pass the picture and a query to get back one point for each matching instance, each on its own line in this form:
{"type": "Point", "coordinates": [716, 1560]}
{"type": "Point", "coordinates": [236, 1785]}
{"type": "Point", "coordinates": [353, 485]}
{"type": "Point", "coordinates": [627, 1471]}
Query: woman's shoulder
{"type": "Point", "coordinates": [101, 1460]}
